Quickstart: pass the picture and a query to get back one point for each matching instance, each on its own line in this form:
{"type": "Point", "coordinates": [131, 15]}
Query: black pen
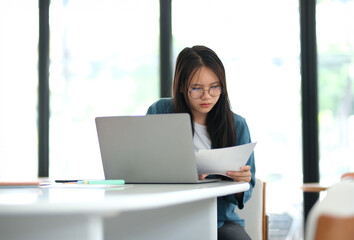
{"type": "Point", "coordinates": [66, 181]}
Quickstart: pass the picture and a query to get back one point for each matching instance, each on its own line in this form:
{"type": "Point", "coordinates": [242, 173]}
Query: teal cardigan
{"type": "Point", "coordinates": [226, 204]}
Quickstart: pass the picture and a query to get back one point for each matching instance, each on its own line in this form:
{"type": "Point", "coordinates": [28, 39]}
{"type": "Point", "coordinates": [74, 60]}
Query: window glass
{"type": "Point", "coordinates": [18, 89]}
{"type": "Point", "coordinates": [335, 45]}
{"type": "Point", "coordinates": [104, 61]}
{"type": "Point", "coordinates": [261, 57]}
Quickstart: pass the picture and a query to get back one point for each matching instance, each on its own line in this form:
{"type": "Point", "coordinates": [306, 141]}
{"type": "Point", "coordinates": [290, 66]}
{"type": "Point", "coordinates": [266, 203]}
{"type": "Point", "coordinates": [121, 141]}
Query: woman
{"type": "Point", "coordinates": [199, 88]}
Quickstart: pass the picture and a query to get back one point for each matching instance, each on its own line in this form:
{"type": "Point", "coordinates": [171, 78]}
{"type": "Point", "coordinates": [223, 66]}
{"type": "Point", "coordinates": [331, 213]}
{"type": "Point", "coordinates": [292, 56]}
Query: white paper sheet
{"type": "Point", "coordinates": [221, 160]}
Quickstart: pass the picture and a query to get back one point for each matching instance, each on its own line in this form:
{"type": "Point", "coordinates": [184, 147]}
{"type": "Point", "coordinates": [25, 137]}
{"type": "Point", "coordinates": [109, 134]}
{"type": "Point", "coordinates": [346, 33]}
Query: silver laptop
{"type": "Point", "coordinates": [148, 149]}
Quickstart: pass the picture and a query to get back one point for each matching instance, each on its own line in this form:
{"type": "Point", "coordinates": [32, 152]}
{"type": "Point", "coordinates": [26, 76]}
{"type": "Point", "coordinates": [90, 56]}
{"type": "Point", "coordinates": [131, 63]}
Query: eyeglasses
{"type": "Point", "coordinates": [214, 91]}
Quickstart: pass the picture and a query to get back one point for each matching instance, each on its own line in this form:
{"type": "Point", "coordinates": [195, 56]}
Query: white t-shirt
{"type": "Point", "coordinates": [201, 138]}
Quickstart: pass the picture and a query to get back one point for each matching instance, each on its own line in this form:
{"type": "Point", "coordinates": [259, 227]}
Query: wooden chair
{"type": "Point", "coordinates": [333, 217]}
{"type": "Point", "coordinates": [331, 227]}
{"type": "Point", "coordinates": [254, 213]}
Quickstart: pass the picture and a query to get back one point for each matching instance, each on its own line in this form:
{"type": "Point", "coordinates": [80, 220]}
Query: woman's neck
{"type": "Point", "coordinates": [200, 119]}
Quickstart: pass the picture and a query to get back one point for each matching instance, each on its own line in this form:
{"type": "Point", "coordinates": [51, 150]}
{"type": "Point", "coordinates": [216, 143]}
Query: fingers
{"type": "Point", "coordinates": [246, 168]}
{"type": "Point", "coordinates": [202, 176]}
{"type": "Point", "coordinates": [241, 176]}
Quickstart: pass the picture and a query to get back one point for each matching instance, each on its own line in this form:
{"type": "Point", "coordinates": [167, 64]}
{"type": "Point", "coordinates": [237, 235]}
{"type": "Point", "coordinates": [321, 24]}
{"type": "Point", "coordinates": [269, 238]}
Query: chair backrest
{"type": "Point", "coordinates": [333, 217]}
{"type": "Point", "coordinates": [254, 213]}
{"type": "Point", "coordinates": [329, 227]}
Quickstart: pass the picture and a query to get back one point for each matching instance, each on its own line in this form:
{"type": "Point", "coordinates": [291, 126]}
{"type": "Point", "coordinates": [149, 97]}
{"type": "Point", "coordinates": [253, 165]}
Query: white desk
{"type": "Point", "coordinates": [138, 211]}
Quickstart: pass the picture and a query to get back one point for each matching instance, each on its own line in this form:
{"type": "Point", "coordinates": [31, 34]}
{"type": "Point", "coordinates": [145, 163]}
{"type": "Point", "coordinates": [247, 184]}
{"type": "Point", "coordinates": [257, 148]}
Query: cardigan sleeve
{"type": "Point", "coordinates": [243, 136]}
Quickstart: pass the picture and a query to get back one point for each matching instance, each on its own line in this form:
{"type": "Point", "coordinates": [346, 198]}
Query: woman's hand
{"type": "Point", "coordinates": [202, 176]}
{"type": "Point", "coordinates": [241, 176]}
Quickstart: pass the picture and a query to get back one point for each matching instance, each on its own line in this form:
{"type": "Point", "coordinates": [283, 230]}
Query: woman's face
{"type": "Point", "coordinates": [203, 80]}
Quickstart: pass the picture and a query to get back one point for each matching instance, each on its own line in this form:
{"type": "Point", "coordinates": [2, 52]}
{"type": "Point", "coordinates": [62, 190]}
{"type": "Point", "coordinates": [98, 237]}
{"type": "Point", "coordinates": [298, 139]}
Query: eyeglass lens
{"type": "Point", "coordinates": [199, 92]}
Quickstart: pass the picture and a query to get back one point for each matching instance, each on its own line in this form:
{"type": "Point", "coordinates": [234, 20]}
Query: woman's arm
{"type": "Point", "coordinates": [248, 172]}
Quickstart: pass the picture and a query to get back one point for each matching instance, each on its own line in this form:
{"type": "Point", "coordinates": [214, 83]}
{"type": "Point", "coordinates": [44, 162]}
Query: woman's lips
{"type": "Point", "coordinates": [205, 105]}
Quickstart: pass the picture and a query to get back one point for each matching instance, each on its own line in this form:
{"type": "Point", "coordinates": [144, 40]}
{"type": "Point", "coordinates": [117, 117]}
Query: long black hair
{"type": "Point", "coordinates": [220, 120]}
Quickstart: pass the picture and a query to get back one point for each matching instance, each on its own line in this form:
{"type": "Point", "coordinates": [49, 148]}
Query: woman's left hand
{"type": "Point", "coordinates": [241, 176]}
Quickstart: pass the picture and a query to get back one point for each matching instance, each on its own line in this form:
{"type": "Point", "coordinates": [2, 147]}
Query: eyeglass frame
{"type": "Point", "coordinates": [190, 92]}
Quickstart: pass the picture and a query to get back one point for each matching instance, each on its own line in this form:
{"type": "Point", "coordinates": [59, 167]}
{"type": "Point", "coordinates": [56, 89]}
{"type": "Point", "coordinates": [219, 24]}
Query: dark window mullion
{"type": "Point", "coordinates": [165, 48]}
{"type": "Point", "coordinates": [309, 100]}
{"type": "Point", "coordinates": [43, 89]}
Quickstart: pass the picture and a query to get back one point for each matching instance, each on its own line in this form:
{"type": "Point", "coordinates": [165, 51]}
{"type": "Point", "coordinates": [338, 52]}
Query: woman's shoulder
{"type": "Point", "coordinates": [238, 119]}
{"type": "Point", "coordinates": [242, 131]}
{"type": "Point", "coordinates": [163, 105]}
